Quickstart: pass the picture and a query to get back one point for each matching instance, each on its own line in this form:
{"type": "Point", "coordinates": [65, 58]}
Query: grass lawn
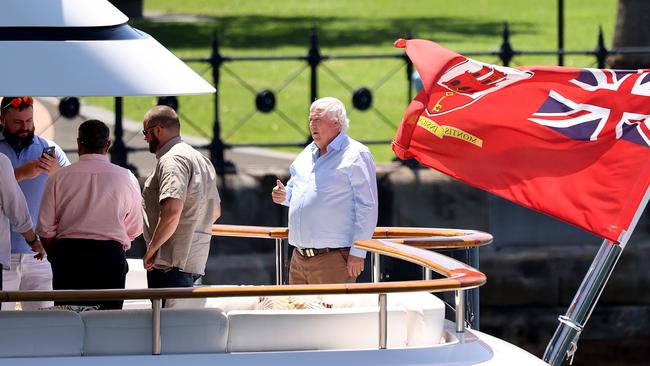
{"type": "Point", "coordinates": [281, 27]}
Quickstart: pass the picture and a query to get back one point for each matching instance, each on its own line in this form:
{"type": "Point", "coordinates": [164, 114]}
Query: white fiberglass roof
{"type": "Point", "coordinates": [59, 13]}
{"type": "Point", "coordinates": [84, 48]}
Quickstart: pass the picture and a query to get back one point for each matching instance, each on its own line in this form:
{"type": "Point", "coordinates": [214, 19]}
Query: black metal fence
{"type": "Point", "coordinates": [362, 97]}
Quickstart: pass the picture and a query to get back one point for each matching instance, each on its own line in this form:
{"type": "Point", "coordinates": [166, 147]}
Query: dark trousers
{"type": "Point", "coordinates": [84, 264]}
{"type": "Point", "coordinates": [157, 278]}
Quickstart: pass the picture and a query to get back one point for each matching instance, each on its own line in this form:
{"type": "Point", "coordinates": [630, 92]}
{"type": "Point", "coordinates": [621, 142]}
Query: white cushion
{"type": "Point", "coordinates": [224, 303]}
{"type": "Point", "coordinates": [136, 304]}
{"type": "Point", "coordinates": [40, 333]}
{"type": "Point", "coordinates": [353, 301]}
{"type": "Point", "coordinates": [425, 317]}
{"type": "Point", "coordinates": [425, 313]}
{"type": "Point", "coordinates": [136, 278]}
{"type": "Point", "coordinates": [424, 321]}
{"type": "Point", "coordinates": [128, 332]}
{"type": "Point", "coordinates": [322, 329]}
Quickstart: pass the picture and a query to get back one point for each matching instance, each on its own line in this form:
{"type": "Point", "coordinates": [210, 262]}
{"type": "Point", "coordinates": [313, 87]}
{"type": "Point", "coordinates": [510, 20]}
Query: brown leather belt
{"type": "Point", "coordinates": [312, 252]}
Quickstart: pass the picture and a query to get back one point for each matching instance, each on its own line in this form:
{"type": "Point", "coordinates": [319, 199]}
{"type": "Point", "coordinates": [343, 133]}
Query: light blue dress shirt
{"type": "Point", "coordinates": [32, 188]}
{"type": "Point", "coordinates": [332, 198]}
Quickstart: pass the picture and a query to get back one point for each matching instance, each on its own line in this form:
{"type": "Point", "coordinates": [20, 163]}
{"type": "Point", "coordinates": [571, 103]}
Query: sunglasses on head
{"type": "Point", "coordinates": [18, 101]}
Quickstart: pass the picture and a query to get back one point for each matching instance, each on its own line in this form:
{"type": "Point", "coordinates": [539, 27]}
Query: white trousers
{"type": "Point", "coordinates": [27, 273]}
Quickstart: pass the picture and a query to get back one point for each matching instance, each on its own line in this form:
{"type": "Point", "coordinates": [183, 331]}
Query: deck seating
{"type": "Point", "coordinates": [425, 313]}
{"type": "Point", "coordinates": [313, 329]}
{"type": "Point", "coordinates": [41, 333]}
{"type": "Point", "coordinates": [414, 319]}
{"type": "Point", "coordinates": [220, 325]}
{"type": "Point", "coordinates": [128, 332]}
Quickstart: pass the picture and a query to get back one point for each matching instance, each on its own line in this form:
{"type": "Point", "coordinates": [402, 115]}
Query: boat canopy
{"type": "Point", "coordinates": [85, 48]}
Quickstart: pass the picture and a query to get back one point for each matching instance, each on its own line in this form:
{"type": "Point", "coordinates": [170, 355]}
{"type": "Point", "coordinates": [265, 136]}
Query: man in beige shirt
{"type": "Point", "coordinates": [180, 203]}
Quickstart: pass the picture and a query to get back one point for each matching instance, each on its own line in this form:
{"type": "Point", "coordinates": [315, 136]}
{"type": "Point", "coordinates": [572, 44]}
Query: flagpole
{"type": "Point", "coordinates": [565, 339]}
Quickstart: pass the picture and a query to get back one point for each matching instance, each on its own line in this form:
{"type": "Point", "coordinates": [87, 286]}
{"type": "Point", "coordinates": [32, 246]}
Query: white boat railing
{"type": "Point", "coordinates": [403, 243]}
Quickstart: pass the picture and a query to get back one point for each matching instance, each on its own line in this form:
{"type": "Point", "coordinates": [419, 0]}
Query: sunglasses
{"type": "Point", "coordinates": [18, 101]}
{"type": "Point", "coordinates": [146, 130]}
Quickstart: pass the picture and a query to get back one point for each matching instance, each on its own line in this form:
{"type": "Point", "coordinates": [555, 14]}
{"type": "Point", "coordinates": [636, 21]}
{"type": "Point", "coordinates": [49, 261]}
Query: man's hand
{"type": "Point", "coordinates": [49, 163]}
{"type": "Point", "coordinates": [29, 170]}
{"type": "Point", "coordinates": [148, 259]}
{"type": "Point", "coordinates": [279, 193]}
{"type": "Point", "coordinates": [355, 266]}
{"type": "Point", "coordinates": [48, 244]}
{"type": "Point", "coordinates": [37, 248]}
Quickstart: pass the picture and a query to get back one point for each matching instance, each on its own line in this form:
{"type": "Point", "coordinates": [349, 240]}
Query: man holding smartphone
{"type": "Point", "coordinates": [32, 163]}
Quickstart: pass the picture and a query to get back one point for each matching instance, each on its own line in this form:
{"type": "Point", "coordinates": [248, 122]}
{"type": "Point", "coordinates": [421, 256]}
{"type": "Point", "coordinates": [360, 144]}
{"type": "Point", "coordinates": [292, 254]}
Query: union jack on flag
{"type": "Point", "coordinates": [572, 143]}
{"type": "Point", "coordinates": [589, 121]}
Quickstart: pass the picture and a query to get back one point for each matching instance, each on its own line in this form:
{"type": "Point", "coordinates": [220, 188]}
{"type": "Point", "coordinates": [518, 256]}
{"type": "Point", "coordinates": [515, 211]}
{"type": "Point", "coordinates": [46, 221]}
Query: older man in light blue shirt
{"type": "Point", "coordinates": [332, 199]}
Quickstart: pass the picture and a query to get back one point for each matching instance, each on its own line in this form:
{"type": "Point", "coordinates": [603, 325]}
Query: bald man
{"type": "Point", "coordinates": [180, 203]}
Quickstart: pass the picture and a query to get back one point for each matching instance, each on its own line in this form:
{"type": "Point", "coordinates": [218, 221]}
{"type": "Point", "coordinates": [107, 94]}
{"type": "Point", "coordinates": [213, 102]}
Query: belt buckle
{"type": "Point", "coordinates": [307, 252]}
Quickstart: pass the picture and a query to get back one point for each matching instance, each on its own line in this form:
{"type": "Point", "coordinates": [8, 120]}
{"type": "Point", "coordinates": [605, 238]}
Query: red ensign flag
{"type": "Point", "coordinates": [572, 143]}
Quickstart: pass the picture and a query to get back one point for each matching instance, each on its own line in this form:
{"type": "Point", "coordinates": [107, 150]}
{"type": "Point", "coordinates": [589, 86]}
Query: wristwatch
{"type": "Point", "coordinates": [32, 241]}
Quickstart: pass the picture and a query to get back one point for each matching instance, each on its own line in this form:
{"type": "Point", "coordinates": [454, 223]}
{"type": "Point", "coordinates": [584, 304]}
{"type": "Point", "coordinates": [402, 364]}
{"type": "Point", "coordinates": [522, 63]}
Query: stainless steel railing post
{"type": "Point", "coordinates": [279, 262]}
{"type": "Point", "coordinates": [460, 311]}
{"type": "Point", "coordinates": [383, 321]}
{"type": "Point", "coordinates": [474, 299]}
{"type": "Point", "coordinates": [156, 341]}
{"type": "Point", "coordinates": [427, 274]}
{"type": "Point", "coordinates": [376, 268]}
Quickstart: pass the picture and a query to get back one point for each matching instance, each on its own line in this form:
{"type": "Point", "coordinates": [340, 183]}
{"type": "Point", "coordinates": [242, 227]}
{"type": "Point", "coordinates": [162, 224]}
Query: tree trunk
{"type": "Point", "coordinates": [632, 30]}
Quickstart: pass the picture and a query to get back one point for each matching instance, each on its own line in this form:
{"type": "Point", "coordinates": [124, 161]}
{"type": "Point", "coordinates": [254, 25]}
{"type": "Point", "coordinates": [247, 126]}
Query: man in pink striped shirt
{"type": "Point", "coordinates": [90, 213]}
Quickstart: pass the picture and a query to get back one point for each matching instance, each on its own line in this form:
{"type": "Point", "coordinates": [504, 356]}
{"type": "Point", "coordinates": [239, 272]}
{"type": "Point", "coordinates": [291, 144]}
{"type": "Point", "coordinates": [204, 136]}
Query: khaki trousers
{"type": "Point", "coordinates": [328, 267]}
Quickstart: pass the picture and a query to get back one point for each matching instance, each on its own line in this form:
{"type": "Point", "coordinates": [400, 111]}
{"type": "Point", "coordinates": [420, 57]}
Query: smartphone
{"type": "Point", "coordinates": [49, 151]}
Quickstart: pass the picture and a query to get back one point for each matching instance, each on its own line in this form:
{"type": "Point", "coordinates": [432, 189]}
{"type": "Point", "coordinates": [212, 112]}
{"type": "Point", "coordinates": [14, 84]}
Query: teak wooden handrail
{"type": "Point", "coordinates": [426, 238]}
{"type": "Point", "coordinates": [458, 276]}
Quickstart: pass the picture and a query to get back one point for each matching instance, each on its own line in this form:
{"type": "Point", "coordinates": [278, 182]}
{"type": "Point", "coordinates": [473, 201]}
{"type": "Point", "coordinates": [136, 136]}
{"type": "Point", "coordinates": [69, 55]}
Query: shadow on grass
{"type": "Point", "coordinates": [249, 32]}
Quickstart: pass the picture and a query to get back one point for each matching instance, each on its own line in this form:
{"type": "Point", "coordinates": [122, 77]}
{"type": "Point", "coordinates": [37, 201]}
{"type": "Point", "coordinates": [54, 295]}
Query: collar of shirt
{"type": "Point", "coordinates": [166, 147]}
{"type": "Point", "coordinates": [336, 144]}
{"type": "Point", "coordinates": [86, 157]}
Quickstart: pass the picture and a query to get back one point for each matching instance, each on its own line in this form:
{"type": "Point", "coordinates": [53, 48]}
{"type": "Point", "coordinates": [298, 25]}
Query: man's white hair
{"type": "Point", "coordinates": [334, 109]}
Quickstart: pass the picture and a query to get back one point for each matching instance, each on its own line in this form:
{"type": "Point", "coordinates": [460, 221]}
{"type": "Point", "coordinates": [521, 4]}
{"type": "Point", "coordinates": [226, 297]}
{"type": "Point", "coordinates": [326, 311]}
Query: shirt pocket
{"type": "Point", "coordinates": [330, 180]}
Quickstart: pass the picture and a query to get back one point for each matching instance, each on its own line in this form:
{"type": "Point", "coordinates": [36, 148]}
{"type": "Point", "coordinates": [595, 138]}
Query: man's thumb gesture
{"type": "Point", "coordinates": [279, 193]}
{"type": "Point", "coordinates": [278, 185]}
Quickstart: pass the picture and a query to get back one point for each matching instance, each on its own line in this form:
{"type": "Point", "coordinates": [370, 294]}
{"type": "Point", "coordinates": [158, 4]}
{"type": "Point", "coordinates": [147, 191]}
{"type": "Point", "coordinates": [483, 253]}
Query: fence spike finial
{"type": "Point", "coordinates": [601, 51]}
{"type": "Point", "coordinates": [313, 59]}
{"type": "Point", "coordinates": [506, 53]}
